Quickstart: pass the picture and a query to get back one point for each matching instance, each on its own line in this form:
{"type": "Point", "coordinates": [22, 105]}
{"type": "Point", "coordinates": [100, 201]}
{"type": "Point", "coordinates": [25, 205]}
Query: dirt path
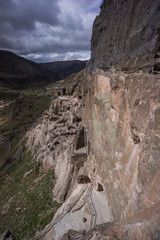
{"type": "Point", "coordinates": [13, 160]}
{"type": "Point", "coordinates": [8, 148]}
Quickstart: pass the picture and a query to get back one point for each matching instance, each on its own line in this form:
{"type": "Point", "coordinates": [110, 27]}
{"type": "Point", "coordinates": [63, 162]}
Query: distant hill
{"type": "Point", "coordinates": [65, 68]}
{"type": "Point", "coordinates": [18, 72]}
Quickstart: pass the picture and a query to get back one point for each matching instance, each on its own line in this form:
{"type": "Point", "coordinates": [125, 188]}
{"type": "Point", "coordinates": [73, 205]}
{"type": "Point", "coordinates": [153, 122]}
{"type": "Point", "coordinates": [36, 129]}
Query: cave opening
{"type": "Point", "coordinates": [82, 139]}
{"type": "Point", "coordinates": [99, 188]}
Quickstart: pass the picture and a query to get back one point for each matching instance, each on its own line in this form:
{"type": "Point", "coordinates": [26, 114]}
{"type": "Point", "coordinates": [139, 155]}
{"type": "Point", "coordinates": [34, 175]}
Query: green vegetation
{"type": "Point", "coordinates": [20, 111]}
{"type": "Point", "coordinates": [7, 93]}
{"type": "Point", "coordinates": [26, 202]}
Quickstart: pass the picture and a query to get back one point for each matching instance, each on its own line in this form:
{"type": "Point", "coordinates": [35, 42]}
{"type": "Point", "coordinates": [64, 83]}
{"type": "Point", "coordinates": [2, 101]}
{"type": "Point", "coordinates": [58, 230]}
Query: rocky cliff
{"type": "Point", "coordinates": [116, 147]}
{"type": "Point", "coordinates": [123, 109]}
{"type": "Point", "coordinates": [126, 35]}
{"type": "Point", "coordinates": [122, 112]}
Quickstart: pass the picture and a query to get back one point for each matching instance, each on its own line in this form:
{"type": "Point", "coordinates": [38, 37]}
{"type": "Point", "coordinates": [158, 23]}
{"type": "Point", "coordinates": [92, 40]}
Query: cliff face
{"type": "Point", "coordinates": [123, 109]}
{"type": "Point", "coordinates": [126, 35]}
{"type": "Point", "coordinates": [123, 112]}
{"type": "Point", "coordinates": [118, 179]}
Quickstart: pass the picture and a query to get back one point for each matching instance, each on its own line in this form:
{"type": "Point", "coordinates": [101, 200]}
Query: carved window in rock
{"type": "Point", "coordinates": [64, 91]}
{"type": "Point", "coordinates": [82, 139]}
{"type": "Point", "coordinates": [82, 142]}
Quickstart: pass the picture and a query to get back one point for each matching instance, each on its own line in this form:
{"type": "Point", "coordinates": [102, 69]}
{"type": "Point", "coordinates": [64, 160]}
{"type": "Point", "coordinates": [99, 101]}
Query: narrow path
{"type": "Point", "coordinates": [8, 148]}
{"type": "Point", "coordinates": [91, 207]}
{"type": "Point", "coordinates": [60, 217]}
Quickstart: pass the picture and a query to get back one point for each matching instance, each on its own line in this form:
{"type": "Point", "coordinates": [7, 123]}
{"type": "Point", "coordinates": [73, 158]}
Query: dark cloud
{"type": "Point", "coordinates": [53, 28]}
{"type": "Point", "coordinates": [22, 15]}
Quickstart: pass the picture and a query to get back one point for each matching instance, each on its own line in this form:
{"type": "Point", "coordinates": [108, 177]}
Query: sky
{"type": "Point", "coordinates": [48, 30]}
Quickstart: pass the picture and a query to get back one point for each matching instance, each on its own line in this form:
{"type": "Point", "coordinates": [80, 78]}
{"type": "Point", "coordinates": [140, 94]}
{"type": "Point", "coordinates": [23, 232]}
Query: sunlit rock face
{"type": "Point", "coordinates": [123, 114]}
{"type": "Point", "coordinates": [122, 108]}
{"type": "Point", "coordinates": [126, 35]}
{"type": "Point", "coordinates": [121, 96]}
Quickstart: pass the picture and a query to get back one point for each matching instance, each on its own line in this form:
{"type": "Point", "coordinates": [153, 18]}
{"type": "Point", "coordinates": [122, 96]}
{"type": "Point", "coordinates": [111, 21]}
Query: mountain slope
{"type": "Point", "coordinates": [65, 68]}
{"type": "Point", "coordinates": [17, 72]}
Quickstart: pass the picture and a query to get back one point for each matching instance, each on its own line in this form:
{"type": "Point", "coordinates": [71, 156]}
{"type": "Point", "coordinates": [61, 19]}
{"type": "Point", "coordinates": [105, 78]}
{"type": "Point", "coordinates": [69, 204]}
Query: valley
{"type": "Point", "coordinates": [23, 181]}
{"type": "Point", "coordinates": [20, 110]}
{"type": "Point", "coordinates": [80, 142]}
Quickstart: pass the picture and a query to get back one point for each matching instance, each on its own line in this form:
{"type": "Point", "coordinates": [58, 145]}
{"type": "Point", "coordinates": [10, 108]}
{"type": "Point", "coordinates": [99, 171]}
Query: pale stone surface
{"type": "Point", "coordinates": [52, 142]}
{"type": "Point", "coordinates": [73, 221]}
{"type": "Point", "coordinates": [101, 206]}
{"type": "Point", "coordinates": [77, 208]}
{"type": "Point", "coordinates": [46, 139]}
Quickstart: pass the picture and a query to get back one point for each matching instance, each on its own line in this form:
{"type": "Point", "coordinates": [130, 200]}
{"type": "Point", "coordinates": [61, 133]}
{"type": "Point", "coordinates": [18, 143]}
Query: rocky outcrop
{"type": "Point", "coordinates": [73, 84]}
{"type": "Point", "coordinates": [126, 35]}
{"type": "Point", "coordinates": [52, 142]}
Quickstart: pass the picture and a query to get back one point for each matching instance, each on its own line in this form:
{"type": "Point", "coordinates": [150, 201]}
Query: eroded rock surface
{"type": "Point", "coordinates": [123, 114]}
{"type": "Point", "coordinates": [52, 142]}
{"type": "Point", "coordinates": [126, 35]}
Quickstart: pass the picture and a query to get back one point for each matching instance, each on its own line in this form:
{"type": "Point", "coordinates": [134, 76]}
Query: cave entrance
{"type": "Point", "coordinates": [81, 145]}
{"type": "Point", "coordinates": [99, 187]}
{"type": "Point", "coordinates": [82, 139]}
{"type": "Point", "coordinates": [64, 91]}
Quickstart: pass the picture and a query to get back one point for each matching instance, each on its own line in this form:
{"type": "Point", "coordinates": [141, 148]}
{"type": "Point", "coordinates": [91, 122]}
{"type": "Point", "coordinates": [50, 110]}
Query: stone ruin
{"type": "Point", "coordinates": [59, 91]}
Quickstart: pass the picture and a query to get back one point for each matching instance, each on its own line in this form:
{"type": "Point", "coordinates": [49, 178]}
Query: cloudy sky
{"type": "Point", "coordinates": [48, 30]}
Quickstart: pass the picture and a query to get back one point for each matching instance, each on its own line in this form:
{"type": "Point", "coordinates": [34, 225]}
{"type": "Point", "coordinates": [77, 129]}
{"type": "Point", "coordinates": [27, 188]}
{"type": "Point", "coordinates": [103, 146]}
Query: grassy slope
{"type": "Point", "coordinates": [32, 206]}
{"type": "Point", "coordinates": [22, 110]}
